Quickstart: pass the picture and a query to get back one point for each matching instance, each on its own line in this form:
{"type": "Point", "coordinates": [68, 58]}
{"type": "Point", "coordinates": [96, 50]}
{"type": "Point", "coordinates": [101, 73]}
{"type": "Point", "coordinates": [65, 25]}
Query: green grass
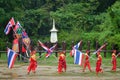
{"type": "Point", "coordinates": [3, 56]}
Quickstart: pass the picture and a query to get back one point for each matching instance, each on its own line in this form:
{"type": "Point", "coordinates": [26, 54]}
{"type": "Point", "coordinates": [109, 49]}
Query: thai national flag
{"type": "Point", "coordinates": [72, 52]}
{"type": "Point", "coordinates": [100, 48]}
{"type": "Point", "coordinates": [43, 46]}
{"type": "Point", "coordinates": [48, 50]}
{"type": "Point", "coordinates": [77, 45]}
{"type": "Point", "coordinates": [78, 57]}
{"type": "Point", "coordinates": [11, 57]}
{"type": "Point", "coordinates": [9, 25]}
{"type": "Point", "coordinates": [17, 26]}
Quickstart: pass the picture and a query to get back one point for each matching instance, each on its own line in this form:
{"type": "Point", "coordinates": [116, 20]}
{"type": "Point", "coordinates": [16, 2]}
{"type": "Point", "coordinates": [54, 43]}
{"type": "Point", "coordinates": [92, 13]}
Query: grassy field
{"type": "Point", "coordinates": [47, 69]}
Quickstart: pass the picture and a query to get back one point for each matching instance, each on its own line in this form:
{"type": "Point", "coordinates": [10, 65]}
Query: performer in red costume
{"type": "Point", "coordinates": [62, 62]}
{"type": "Point", "coordinates": [87, 62]}
{"type": "Point", "coordinates": [114, 61]}
{"type": "Point", "coordinates": [99, 63]}
{"type": "Point", "coordinates": [33, 63]}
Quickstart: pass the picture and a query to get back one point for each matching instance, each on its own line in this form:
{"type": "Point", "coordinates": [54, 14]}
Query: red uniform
{"type": "Point", "coordinates": [62, 63]}
{"type": "Point", "coordinates": [87, 63]}
{"type": "Point", "coordinates": [33, 63]}
{"type": "Point", "coordinates": [114, 62]}
{"type": "Point", "coordinates": [98, 64]}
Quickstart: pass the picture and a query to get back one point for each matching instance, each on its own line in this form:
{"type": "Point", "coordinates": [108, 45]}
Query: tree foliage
{"type": "Point", "coordinates": [88, 20]}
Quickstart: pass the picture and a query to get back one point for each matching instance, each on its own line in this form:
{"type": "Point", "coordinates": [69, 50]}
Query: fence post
{"type": "Point", "coordinates": [113, 47]}
{"type": "Point", "coordinates": [48, 44]}
{"type": "Point", "coordinates": [72, 44]}
{"type": "Point", "coordinates": [96, 47]}
{"type": "Point", "coordinates": [88, 43]}
{"type": "Point", "coordinates": [105, 50]}
{"type": "Point", "coordinates": [64, 46]}
{"type": "Point", "coordinates": [7, 45]}
{"type": "Point", "coordinates": [56, 48]}
{"type": "Point", "coordinates": [39, 50]}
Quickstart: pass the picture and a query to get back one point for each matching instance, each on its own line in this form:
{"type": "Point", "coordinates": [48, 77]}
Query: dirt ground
{"type": "Point", "coordinates": [44, 72]}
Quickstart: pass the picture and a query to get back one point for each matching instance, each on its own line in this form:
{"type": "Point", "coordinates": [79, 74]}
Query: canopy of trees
{"type": "Point", "coordinates": [75, 19]}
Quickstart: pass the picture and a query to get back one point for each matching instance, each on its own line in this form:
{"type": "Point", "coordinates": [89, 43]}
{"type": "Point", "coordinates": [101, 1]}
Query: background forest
{"type": "Point", "coordinates": [89, 20]}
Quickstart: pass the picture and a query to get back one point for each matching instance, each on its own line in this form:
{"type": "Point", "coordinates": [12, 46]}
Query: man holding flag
{"type": "Point", "coordinates": [114, 61]}
{"type": "Point", "coordinates": [99, 63]}
{"type": "Point", "coordinates": [99, 59]}
{"type": "Point", "coordinates": [87, 62]}
{"type": "Point", "coordinates": [62, 62]}
{"type": "Point", "coordinates": [33, 62]}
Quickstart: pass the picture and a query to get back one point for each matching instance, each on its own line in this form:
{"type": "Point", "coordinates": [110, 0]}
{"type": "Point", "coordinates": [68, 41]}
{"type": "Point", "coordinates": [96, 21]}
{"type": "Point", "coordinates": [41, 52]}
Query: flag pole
{"type": "Point", "coordinates": [117, 54]}
{"type": "Point", "coordinates": [99, 49]}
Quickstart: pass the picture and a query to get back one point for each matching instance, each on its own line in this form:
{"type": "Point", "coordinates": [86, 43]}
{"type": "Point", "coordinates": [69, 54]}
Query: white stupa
{"type": "Point", "coordinates": [53, 37]}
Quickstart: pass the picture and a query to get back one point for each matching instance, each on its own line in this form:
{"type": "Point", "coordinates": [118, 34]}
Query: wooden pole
{"type": "Point", "coordinates": [96, 46]}
{"type": "Point", "coordinates": [88, 43]}
{"type": "Point", "coordinates": [56, 49]}
{"type": "Point", "coordinates": [105, 50]}
{"type": "Point", "coordinates": [64, 46]}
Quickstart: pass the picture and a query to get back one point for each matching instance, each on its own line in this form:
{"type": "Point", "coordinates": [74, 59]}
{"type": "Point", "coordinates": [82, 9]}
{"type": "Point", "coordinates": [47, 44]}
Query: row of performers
{"type": "Point", "coordinates": [62, 67]}
{"type": "Point", "coordinates": [25, 42]}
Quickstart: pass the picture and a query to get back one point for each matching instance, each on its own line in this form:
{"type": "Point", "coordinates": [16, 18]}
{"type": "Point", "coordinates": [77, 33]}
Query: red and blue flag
{"type": "Point", "coordinates": [100, 48]}
{"type": "Point", "coordinates": [9, 25]}
{"type": "Point", "coordinates": [72, 52]}
{"type": "Point", "coordinates": [17, 26]}
{"type": "Point", "coordinates": [78, 57]}
{"type": "Point", "coordinates": [77, 45]}
{"type": "Point", "coordinates": [43, 46]}
{"type": "Point", "coordinates": [11, 57]}
{"type": "Point", "coordinates": [48, 50]}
